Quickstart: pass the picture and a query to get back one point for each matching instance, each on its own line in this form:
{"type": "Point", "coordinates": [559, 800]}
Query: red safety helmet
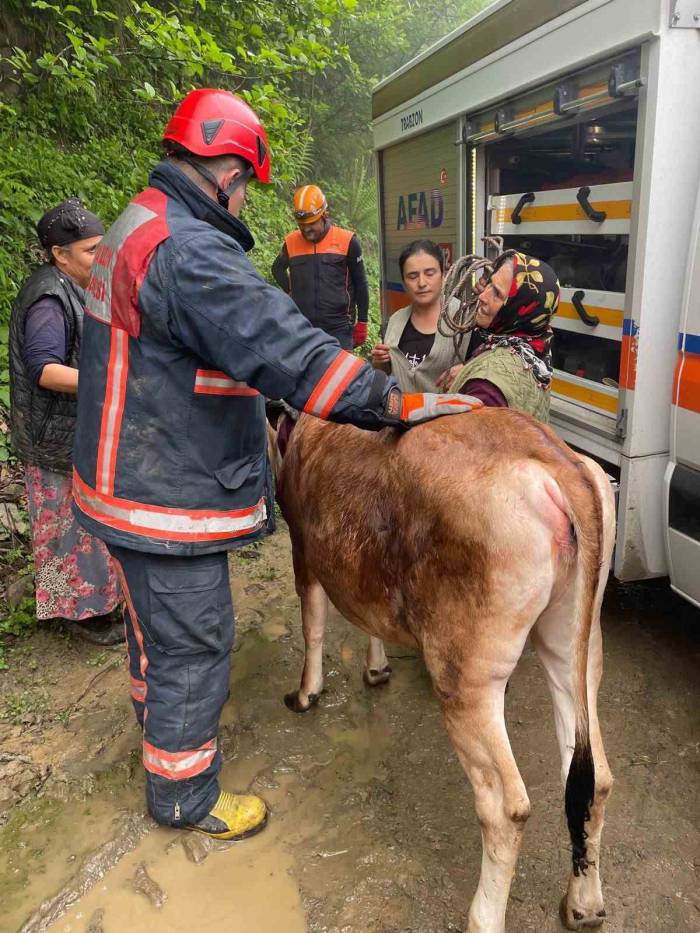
{"type": "Point", "coordinates": [211, 122]}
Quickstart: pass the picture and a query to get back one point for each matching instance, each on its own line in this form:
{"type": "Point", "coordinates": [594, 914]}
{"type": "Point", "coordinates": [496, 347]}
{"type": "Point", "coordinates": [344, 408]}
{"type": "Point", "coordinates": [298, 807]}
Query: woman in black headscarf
{"type": "Point", "coordinates": [75, 580]}
{"type": "Point", "coordinates": [509, 360]}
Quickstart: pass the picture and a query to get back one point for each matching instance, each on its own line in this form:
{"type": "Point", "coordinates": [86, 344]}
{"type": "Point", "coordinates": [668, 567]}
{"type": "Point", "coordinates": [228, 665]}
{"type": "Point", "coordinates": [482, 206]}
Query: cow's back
{"type": "Point", "coordinates": [389, 522]}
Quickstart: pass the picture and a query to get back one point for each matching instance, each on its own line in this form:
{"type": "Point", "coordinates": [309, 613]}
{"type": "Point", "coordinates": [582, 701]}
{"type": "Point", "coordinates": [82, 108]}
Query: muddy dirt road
{"type": "Point", "coordinates": [373, 828]}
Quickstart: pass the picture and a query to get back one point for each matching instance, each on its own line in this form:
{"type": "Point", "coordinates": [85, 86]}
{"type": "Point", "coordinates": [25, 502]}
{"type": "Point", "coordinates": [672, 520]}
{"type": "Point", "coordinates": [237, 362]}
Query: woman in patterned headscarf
{"type": "Point", "coordinates": [509, 361]}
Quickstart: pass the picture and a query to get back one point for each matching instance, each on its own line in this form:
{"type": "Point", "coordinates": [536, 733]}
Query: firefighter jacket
{"type": "Point", "coordinates": [43, 421]}
{"type": "Point", "coordinates": [182, 339]}
{"type": "Point", "coordinates": [327, 280]}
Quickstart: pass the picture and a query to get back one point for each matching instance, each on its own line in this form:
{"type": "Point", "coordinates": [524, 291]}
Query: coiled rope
{"type": "Point", "coordinates": [459, 302]}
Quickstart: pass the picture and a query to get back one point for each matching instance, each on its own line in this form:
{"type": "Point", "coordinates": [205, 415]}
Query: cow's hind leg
{"type": "Point", "coordinates": [377, 670]}
{"type": "Point", "coordinates": [314, 611]}
{"type": "Point", "coordinates": [472, 694]}
{"type": "Point", "coordinates": [582, 906]}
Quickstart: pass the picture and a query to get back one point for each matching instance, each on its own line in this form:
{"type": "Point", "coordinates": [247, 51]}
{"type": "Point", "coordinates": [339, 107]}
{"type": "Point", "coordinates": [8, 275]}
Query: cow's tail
{"type": "Point", "coordinates": [586, 512]}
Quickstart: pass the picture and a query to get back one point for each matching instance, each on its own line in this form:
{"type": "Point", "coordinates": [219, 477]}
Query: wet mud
{"type": "Point", "coordinates": [372, 823]}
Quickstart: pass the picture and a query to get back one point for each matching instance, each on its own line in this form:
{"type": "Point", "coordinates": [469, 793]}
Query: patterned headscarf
{"type": "Point", "coordinates": [523, 323]}
{"type": "Point", "coordinates": [67, 223]}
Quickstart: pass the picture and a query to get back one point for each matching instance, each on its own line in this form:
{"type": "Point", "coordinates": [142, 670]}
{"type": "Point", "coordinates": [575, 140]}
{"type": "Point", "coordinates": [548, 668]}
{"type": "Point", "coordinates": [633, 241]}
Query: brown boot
{"type": "Point", "coordinates": [100, 630]}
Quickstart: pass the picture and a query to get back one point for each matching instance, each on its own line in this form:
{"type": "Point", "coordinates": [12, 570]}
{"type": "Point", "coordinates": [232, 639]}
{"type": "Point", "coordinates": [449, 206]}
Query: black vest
{"type": "Point", "coordinates": [42, 422]}
{"type": "Point", "coordinates": [320, 283]}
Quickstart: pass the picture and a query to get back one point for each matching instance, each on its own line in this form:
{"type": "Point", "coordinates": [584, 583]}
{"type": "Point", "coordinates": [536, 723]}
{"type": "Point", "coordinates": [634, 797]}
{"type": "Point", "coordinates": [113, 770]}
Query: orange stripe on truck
{"type": "Point", "coordinates": [686, 381]}
{"type": "Point", "coordinates": [611, 317]}
{"type": "Point", "coordinates": [585, 394]}
{"type": "Point", "coordinates": [615, 210]}
{"type": "Point", "coordinates": [394, 301]}
{"type": "Point", "coordinates": [628, 362]}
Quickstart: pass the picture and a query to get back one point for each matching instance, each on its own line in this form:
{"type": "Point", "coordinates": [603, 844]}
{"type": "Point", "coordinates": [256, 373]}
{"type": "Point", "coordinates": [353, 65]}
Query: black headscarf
{"type": "Point", "coordinates": [67, 223]}
{"type": "Point", "coordinates": [523, 323]}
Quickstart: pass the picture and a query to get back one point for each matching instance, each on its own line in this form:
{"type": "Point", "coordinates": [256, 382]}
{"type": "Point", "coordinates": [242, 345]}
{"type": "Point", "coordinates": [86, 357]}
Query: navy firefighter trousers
{"type": "Point", "coordinates": [179, 630]}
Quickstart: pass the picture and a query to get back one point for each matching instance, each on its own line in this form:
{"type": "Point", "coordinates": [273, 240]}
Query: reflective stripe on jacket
{"type": "Point", "coordinates": [181, 337]}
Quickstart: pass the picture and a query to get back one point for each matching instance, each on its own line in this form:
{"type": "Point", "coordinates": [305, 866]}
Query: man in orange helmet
{"type": "Point", "coordinates": [182, 340]}
{"type": "Point", "coordinates": [320, 265]}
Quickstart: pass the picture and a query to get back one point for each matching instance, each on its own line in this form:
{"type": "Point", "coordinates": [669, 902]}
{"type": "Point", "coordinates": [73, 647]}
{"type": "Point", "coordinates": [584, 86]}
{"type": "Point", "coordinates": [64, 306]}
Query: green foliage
{"type": "Point", "coordinates": [21, 620]}
{"type": "Point", "coordinates": [98, 65]}
{"type": "Point", "coordinates": [23, 707]}
{"type": "Point", "coordinates": [5, 452]}
{"type": "Point", "coordinates": [86, 87]}
{"type": "Point", "coordinates": [382, 35]}
{"type": "Point", "coordinates": [36, 173]}
{"type": "Point", "coordinates": [97, 660]}
{"type": "Point", "coordinates": [84, 99]}
{"type": "Point", "coordinates": [18, 623]}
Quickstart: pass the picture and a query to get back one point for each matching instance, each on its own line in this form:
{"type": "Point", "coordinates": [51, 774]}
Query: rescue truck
{"type": "Point", "coordinates": [571, 129]}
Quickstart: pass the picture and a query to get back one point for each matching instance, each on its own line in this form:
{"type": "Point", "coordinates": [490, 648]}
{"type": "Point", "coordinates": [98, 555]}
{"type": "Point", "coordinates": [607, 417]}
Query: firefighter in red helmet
{"type": "Point", "coordinates": [182, 341]}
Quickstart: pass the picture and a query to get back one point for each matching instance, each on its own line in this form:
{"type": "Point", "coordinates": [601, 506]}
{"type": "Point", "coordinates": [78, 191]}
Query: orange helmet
{"type": "Point", "coordinates": [309, 204]}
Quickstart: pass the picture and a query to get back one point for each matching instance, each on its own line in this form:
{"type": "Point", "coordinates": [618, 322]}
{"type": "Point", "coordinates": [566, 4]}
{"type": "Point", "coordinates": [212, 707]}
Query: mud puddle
{"type": "Point", "coordinates": [44, 846]}
{"type": "Point", "coordinates": [157, 887]}
{"type": "Point", "coordinates": [372, 826]}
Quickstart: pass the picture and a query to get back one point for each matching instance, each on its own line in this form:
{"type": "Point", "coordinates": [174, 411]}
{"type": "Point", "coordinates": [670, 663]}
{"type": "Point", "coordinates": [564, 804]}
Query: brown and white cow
{"type": "Point", "coordinates": [462, 537]}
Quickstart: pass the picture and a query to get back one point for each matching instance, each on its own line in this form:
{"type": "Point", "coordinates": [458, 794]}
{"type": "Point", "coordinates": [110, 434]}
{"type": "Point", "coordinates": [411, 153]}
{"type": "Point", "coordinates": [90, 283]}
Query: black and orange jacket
{"type": "Point", "coordinates": [182, 339]}
{"type": "Point", "coordinates": [326, 280]}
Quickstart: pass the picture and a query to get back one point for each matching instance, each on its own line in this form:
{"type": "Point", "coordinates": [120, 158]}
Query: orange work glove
{"type": "Point", "coordinates": [416, 407]}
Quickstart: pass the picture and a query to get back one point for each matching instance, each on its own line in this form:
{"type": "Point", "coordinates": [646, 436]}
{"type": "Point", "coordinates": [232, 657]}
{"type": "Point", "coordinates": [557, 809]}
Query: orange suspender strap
{"type": "Point", "coordinates": [139, 688]}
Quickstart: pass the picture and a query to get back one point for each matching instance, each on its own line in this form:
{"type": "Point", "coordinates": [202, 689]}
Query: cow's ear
{"type": "Point", "coordinates": [285, 426]}
{"type": "Point", "coordinates": [273, 409]}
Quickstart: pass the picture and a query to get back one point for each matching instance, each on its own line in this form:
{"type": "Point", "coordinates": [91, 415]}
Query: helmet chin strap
{"type": "Point", "coordinates": [223, 195]}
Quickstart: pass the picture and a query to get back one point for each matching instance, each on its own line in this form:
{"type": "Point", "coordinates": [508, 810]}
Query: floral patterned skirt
{"type": "Point", "coordinates": [74, 574]}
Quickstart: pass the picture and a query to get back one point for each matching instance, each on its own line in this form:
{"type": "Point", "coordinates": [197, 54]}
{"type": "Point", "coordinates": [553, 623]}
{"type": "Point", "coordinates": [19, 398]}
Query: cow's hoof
{"type": "Point", "coordinates": [374, 678]}
{"type": "Point", "coordinates": [292, 702]}
{"type": "Point", "coordinates": [573, 919]}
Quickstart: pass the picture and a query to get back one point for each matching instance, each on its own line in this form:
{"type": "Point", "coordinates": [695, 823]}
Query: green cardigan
{"type": "Point", "coordinates": [505, 370]}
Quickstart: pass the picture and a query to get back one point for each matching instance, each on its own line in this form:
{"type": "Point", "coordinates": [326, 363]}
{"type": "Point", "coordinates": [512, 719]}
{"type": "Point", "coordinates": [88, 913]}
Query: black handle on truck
{"type": "Point", "coordinates": [590, 212]}
{"type": "Point", "coordinates": [528, 198]}
{"type": "Point", "coordinates": [577, 302]}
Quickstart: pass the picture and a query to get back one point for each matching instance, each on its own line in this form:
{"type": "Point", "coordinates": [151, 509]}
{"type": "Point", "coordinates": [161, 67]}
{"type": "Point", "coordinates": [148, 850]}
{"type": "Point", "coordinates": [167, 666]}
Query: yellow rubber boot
{"type": "Point", "coordinates": [233, 816]}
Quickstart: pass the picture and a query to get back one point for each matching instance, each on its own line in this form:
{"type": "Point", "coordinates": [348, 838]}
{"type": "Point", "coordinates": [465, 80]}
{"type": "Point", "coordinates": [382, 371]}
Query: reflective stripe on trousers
{"type": "Point", "coordinates": [179, 638]}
